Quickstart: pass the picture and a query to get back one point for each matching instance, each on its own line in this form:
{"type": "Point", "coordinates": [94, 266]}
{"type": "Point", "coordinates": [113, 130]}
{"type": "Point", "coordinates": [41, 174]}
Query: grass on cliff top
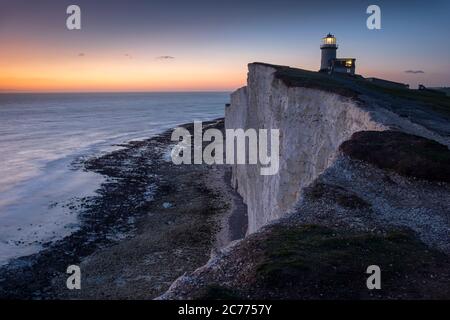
{"type": "Point", "coordinates": [446, 90]}
{"type": "Point", "coordinates": [437, 102]}
{"type": "Point", "coordinates": [351, 86]}
{"type": "Point", "coordinates": [408, 155]}
{"type": "Point", "coordinates": [312, 261]}
{"type": "Point", "coordinates": [314, 80]}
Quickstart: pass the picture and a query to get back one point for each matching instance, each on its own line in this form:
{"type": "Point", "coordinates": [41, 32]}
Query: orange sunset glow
{"type": "Point", "coordinates": [114, 72]}
{"type": "Point", "coordinates": [119, 48]}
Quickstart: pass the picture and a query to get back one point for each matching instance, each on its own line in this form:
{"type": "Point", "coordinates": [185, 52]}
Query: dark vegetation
{"type": "Point", "coordinates": [337, 194]}
{"type": "Point", "coordinates": [437, 102]}
{"type": "Point", "coordinates": [313, 261]}
{"type": "Point", "coordinates": [406, 154]}
{"type": "Point", "coordinates": [315, 80]}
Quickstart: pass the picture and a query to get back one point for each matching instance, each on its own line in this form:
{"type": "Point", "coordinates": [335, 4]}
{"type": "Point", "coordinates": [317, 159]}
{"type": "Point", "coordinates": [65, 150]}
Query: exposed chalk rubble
{"type": "Point", "coordinates": [362, 179]}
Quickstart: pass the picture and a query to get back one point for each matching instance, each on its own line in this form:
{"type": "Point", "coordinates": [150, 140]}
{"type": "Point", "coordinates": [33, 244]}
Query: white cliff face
{"type": "Point", "coordinates": [312, 125]}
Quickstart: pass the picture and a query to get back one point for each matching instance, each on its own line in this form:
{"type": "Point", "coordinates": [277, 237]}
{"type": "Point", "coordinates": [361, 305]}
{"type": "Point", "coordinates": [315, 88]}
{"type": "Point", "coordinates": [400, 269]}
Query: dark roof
{"type": "Point", "coordinates": [343, 59]}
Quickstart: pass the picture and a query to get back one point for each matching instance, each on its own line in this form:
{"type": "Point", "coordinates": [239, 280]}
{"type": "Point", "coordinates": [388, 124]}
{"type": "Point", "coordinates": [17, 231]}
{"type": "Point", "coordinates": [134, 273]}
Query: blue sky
{"type": "Point", "coordinates": [216, 38]}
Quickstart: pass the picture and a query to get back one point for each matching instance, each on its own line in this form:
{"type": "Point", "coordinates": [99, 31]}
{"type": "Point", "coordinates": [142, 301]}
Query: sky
{"type": "Point", "coordinates": [199, 45]}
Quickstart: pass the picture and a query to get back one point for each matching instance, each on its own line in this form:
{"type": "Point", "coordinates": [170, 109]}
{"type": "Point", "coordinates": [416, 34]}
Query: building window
{"type": "Point", "coordinates": [348, 63]}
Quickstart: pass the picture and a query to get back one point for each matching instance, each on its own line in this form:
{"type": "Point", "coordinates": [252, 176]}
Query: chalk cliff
{"type": "Point", "coordinates": [364, 176]}
{"type": "Point", "coordinates": [312, 123]}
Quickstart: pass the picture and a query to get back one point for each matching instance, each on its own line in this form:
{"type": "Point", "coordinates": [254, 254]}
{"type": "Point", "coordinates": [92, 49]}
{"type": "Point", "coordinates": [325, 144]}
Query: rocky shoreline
{"type": "Point", "coordinates": [151, 222]}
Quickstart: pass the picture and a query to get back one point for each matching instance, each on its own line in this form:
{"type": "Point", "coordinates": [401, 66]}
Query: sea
{"type": "Point", "coordinates": [43, 135]}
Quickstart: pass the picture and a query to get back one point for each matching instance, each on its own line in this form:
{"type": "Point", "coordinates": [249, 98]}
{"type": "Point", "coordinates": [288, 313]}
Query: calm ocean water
{"type": "Point", "coordinates": [42, 134]}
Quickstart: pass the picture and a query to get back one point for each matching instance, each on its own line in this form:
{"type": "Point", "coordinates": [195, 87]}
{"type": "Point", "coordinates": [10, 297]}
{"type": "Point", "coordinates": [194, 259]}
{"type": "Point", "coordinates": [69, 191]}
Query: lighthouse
{"type": "Point", "coordinates": [329, 62]}
{"type": "Point", "coordinates": [329, 49]}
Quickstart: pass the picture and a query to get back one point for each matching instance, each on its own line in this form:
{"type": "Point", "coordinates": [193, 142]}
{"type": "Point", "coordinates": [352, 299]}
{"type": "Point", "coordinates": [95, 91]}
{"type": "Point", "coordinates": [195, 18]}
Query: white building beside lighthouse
{"type": "Point", "coordinates": [329, 62]}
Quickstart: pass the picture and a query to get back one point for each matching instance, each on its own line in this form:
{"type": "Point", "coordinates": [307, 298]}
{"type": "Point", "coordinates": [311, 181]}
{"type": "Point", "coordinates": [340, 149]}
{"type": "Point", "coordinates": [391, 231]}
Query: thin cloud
{"type": "Point", "coordinates": [414, 71]}
{"type": "Point", "coordinates": [165, 58]}
{"type": "Point", "coordinates": [128, 55]}
{"type": "Point", "coordinates": [81, 54]}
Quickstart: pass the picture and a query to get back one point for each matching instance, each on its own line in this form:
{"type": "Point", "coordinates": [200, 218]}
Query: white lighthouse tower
{"type": "Point", "coordinates": [329, 49]}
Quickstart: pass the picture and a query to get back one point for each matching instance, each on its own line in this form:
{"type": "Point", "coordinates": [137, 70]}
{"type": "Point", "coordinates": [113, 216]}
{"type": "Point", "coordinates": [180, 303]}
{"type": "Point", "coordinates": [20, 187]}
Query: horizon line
{"type": "Point", "coordinates": [85, 92]}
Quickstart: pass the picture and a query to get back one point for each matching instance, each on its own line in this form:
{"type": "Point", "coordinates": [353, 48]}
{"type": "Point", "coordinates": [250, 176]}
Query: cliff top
{"type": "Point", "coordinates": [426, 108]}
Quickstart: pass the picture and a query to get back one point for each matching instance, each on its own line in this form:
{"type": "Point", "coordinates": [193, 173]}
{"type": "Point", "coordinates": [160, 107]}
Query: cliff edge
{"type": "Point", "coordinates": [363, 180]}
